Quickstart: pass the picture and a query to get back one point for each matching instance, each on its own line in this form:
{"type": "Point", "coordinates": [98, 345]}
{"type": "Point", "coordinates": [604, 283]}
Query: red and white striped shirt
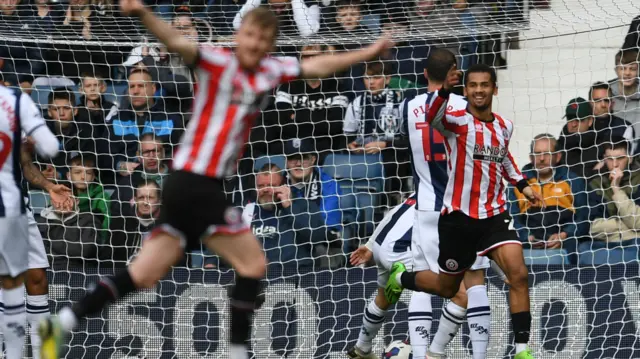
{"type": "Point", "coordinates": [227, 101]}
{"type": "Point", "coordinates": [479, 158]}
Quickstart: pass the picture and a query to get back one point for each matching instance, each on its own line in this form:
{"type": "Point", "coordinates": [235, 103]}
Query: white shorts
{"type": "Point", "coordinates": [14, 245]}
{"type": "Point", "coordinates": [424, 244]}
{"type": "Point", "coordinates": [385, 257]}
{"type": "Point", "coordinates": [37, 253]}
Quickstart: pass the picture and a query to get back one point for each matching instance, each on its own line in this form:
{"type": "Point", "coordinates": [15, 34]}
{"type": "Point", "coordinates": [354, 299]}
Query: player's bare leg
{"type": "Point", "coordinates": [245, 254]}
{"type": "Point", "coordinates": [478, 312]}
{"type": "Point", "coordinates": [37, 287]}
{"type": "Point", "coordinates": [441, 284]}
{"type": "Point", "coordinates": [371, 323]}
{"type": "Point", "coordinates": [159, 252]}
{"type": "Point", "coordinates": [510, 259]}
{"type": "Point", "coordinates": [15, 317]}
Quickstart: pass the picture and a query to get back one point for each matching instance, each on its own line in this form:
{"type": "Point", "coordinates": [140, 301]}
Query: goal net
{"type": "Point", "coordinates": [78, 62]}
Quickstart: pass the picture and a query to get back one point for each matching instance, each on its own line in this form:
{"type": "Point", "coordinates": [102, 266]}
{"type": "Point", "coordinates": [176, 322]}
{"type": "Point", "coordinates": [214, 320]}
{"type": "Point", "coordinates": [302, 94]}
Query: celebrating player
{"type": "Point", "coordinates": [18, 114]}
{"type": "Point", "coordinates": [390, 243]}
{"type": "Point", "coordinates": [231, 88]}
{"type": "Point", "coordinates": [474, 220]}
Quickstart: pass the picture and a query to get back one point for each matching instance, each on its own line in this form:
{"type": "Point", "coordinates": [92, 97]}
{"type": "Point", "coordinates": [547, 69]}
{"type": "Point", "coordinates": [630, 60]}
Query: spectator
{"type": "Point", "coordinates": [306, 180]}
{"type": "Point", "coordinates": [175, 89]}
{"type": "Point", "coordinates": [565, 215]}
{"type": "Point", "coordinates": [372, 124]}
{"type": "Point", "coordinates": [20, 62]}
{"type": "Point", "coordinates": [606, 125]}
{"type": "Point", "coordinates": [144, 114]}
{"type": "Point", "coordinates": [616, 200]}
{"type": "Point", "coordinates": [72, 127]}
{"type": "Point", "coordinates": [90, 194]}
{"type": "Point", "coordinates": [287, 227]}
{"type": "Point", "coordinates": [221, 14]}
{"type": "Point", "coordinates": [49, 16]}
{"type": "Point", "coordinates": [152, 168]}
{"type": "Point", "coordinates": [70, 237]}
{"type": "Point", "coordinates": [577, 141]}
{"type": "Point", "coordinates": [403, 56]}
{"type": "Point", "coordinates": [93, 88]}
{"type": "Point", "coordinates": [348, 23]}
{"type": "Point", "coordinates": [184, 21]}
{"type": "Point", "coordinates": [295, 16]}
{"type": "Point", "coordinates": [625, 88]}
{"type": "Point", "coordinates": [128, 231]}
{"type": "Point", "coordinates": [310, 108]}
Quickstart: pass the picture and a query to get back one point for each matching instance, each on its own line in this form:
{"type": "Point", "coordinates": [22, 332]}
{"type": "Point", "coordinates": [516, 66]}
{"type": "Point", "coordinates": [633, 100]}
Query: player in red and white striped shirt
{"type": "Point", "coordinates": [474, 221]}
{"type": "Point", "coordinates": [231, 89]}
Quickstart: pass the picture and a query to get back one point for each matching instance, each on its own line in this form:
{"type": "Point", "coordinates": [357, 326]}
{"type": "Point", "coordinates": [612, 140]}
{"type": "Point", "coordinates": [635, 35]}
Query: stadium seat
{"type": "Point", "coordinates": [366, 171]}
{"type": "Point", "coordinates": [278, 160]}
{"type": "Point", "coordinates": [38, 200]}
{"type": "Point", "coordinates": [545, 256]}
{"type": "Point", "coordinates": [600, 256]}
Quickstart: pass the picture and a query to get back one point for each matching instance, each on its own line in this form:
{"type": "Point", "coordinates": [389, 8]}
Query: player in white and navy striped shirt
{"type": "Point", "coordinates": [195, 211]}
{"type": "Point", "coordinates": [474, 221]}
{"type": "Point", "coordinates": [18, 115]}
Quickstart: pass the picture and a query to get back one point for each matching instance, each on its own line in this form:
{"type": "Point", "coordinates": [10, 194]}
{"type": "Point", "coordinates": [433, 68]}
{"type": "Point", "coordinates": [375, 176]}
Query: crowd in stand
{"type": "Point", "coordinates": [116, 151]}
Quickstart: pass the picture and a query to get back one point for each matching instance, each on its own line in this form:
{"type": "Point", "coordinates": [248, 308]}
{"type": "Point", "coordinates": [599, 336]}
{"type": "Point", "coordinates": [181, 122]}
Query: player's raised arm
{"type": "Point", "coordinates": [323, 66]}
{"type": "Point", "coordinates": [33, 125]}
{"type": "Point", "coordinates": [175, 42]}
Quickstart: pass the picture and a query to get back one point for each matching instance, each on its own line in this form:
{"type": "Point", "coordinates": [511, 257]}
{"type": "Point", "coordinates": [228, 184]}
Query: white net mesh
{"type": "Point", "coordinates": [584, 295]}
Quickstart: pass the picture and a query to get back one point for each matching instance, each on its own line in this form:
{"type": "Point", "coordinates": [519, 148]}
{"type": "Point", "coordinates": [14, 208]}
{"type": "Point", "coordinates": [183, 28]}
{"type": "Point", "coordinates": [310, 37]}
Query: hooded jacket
{"type": "Point", "coordinates": [626, 107]}
{"type": "Point", "coordinates": [566, 208]}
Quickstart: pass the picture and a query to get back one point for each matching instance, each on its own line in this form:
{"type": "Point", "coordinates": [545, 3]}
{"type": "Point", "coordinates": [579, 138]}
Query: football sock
{"type": "Point", "coordinates": [371, 324]}
{"type": "Point", "coordinates": [419, 317]}
{"type": "Point", "coordinates": [450, 321]}
{"type": "Point", "coordinates": [479, 318]}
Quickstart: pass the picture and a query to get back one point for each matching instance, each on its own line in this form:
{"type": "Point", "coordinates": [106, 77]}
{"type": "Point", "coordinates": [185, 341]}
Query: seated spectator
{"type": "Point", "coordinates": [93, 87]}
{"type": "Point", "coordinates": [175, 89]}
{"type": "Point", "coordinates": [144, 114]}
{"type": "Point", "coordinates": [72, 127]}
{"type": "Point", "coordinates": [309, 108]}
{"type": "Point", "coordinates": [606, 125]}
{"type": "Point", "coordinates": [348, 23]}
{"type": "Point", "coordinates": [129, 230]}
{"type": "Point", "coordinates": [625, 89]}
{"type": "Point", "coordinates": [288, 227]}
{"type": "Point", "coordinates": [70, 237]}
{"type": "Point", "coordinates": [372, 124]}
{"type": "Point", "coordinates": [49, 15]}
{"type": "Point", "coordinates": [221, 14]}
{"type": "Point", "coordinates": [152, 168]}
{"type": "Point", "coordinates": [296, 18]}
{"type": "Point", "coordinates": [183, 21]}
{"type": "Point", "coordinates": [21, 62]}
{"type": "Point", "coordinates": [565, 215]}
{"type": "Point", "coordinates": [615, 201]}
{"type": "Point", "coordinates": [90, 194]}
{"type": "Point", "coordinates": [577, 143]}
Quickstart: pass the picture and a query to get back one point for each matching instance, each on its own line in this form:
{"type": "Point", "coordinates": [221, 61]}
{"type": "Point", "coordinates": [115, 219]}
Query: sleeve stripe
{"type": "Point", "coordinates": [35, 128]}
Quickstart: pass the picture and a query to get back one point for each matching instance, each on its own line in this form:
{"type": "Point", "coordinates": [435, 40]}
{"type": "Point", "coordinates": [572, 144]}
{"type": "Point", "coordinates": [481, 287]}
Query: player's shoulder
{"type": "Point", "coordinates": [7, 93]}
{"type": "Point", "coordinates": [503, 121]}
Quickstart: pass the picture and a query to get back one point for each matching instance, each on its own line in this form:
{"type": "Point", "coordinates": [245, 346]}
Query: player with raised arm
{"type": "Point", "coordinates": [231, 89]}
{"type": "Point", "coordinates": [18, 115]}
{"type": "Point", "coordinates": [474, 220]}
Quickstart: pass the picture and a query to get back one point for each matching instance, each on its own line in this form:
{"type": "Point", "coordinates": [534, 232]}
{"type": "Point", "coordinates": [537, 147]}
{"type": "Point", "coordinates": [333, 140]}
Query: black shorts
{"type": "Point", "coordinates": [195, 207]}
{"type": "Point", "coordinates": [463, 238]}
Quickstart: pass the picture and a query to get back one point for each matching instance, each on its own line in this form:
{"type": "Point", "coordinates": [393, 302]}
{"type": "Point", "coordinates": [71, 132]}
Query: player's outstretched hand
{"type": "Point", "coordinates": [360, 256]}
{"type": "Point", "coordinates": [131, 7]}
{"type": "Point", "coordinates": [534, 197]}
{"type": "Point", "coordinates": [453, 78]}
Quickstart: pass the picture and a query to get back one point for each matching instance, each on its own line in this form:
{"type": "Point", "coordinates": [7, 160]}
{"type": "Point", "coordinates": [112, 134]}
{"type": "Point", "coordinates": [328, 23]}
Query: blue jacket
{"type": "Point", "coordinates": [125, 129]}
{"type": "Point", "coordinates": [288, 234]}
{"type": "Point", "coordinates": [566, 206]}
{"type": "Point", "coordinates": [325, 192]}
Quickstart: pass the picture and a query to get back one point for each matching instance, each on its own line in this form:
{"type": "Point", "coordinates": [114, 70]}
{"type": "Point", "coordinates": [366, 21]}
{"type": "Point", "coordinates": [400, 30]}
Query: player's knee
{"type": "Point", "coordinates": [460, 298]}
{"type": "Point", "coordinates": [255, 268]}
{"type": "Point", "coordinates": [448, 292]}
{"type": "Point", "coordinates": [36, 282]}
{"type": "Point", "coordinates": [518, 276]}
{"type": "Point", "coordinates": [144, 280]}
